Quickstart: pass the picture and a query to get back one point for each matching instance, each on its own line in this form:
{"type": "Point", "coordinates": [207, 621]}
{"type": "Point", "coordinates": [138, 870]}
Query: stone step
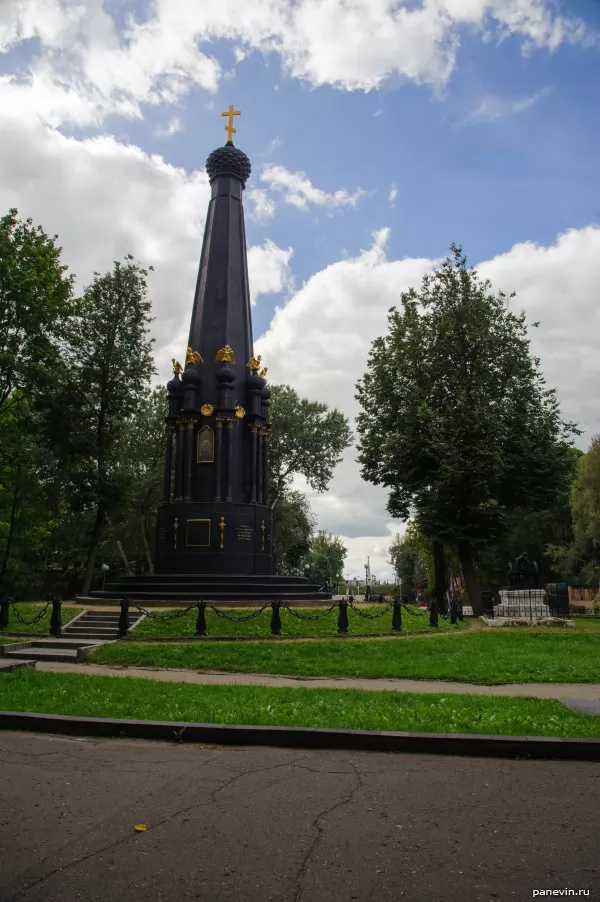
{"type": "Point", "coordinates": [95, 621]}
{"type": "Point", "coordinates": [63, 642]}
{"type": "Point", "coordinates": [44, 654]}
{"type": "Point", "coordinates": [75, 632]}
{"type": "Point", "coordinates": [93, 634]}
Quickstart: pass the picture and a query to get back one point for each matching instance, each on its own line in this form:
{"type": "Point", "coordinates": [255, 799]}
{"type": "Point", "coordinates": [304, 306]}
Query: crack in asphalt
{"type": "Point", "coordinates": [180, 811]}
{"type": "Point", "coordinates": [306, 861]}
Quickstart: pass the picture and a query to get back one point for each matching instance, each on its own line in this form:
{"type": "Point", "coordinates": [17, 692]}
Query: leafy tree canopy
{"type": "Point", "coordinates": [325, 560]}
{"type": "Point", "coordinates": [457, 421]}
{"type": "Point", "coordinates": [581, 556]}
{"type": "Point", "coordinates": [293, 525]}
{"type": "Point", "coordinates": [307, 440]}
{"type": "Point", "coordinates": [36, 306]}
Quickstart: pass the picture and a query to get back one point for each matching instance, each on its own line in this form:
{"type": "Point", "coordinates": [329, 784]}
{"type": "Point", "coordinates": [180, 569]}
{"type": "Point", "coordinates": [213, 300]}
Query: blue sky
{"type": "Point", "coordinates": [480, 115]}
{"type": "Point", "coordinates": [468, 165]}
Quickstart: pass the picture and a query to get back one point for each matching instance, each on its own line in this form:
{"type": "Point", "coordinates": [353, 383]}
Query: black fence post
{"type": "Point", "coordinates": [343, 617]}
{"type": "Point", "coordinates": [56, 618]}
{"type": "Point", "coordinates": [4, 612]}
{"type": "Point", "coordinates": [275, 618]}
{"type": "Point", "coordinates": [397, 615]}
{"type": "Point", "coordinates": [433, 613]}
{"type": "Point", "coordinates": [453, 609]}
{"type": "Point", "coordinates": [201, 619]}
{"type": "Point", "coordinates": [124, 618]}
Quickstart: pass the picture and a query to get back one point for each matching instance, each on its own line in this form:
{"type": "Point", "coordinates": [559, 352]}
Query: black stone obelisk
{"type": "Point", "coordinates": [215, 517]}
{"type": "Point", "coordinates": [214, 526]}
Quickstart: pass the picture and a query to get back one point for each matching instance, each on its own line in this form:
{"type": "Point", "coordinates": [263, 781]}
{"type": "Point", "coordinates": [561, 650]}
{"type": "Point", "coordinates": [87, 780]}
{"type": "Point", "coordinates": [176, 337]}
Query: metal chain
{"type": "Point", "coordinates": [417, 612]}
{"type": "Point", "coordinates": [237, 619]}
{"type": "Point", "coordinates": [35, 620]}
{"type": "Point", "coordinates": [310, 616]}
{"type": "Point", "coordinates": [370, 616]}
{"type": "Point", "coordinates": [172, 615]}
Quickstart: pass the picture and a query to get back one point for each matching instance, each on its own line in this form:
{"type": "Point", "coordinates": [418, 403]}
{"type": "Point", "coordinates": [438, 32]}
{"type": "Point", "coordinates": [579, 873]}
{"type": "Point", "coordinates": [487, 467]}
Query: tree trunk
{"type": "Point", "coordinates": [12, 525]}
{"type": "Point", "coordinates": [439, 570]}
{"type": "Point", "coordinates": [119, 544]}
{"type": "Point", "coordinates": [146, 546]}
{"type": "Point", "coordinates": [93, 551]}
{"type": "Point", "coordinates": [465, 554]}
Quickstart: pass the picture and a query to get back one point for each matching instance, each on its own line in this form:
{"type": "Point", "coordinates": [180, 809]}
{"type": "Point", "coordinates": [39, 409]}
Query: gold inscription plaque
{"type": "Point", "coordinates": [245, 533]}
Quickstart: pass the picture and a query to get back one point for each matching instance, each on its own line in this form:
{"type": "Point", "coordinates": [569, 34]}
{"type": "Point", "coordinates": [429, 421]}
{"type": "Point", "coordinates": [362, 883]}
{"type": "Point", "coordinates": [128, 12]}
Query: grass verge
{"type": "Point", "coordinates": [134, 699]}
{"type": "Point", "coordinates": [29, 611]}
{"type": "Point", "coordinates": [185, 626]}
{"type": "Point", "coordinates": [539, 656]}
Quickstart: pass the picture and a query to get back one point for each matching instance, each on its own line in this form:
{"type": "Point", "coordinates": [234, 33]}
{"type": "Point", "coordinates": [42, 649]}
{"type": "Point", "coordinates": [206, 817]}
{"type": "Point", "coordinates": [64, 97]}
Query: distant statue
{"type": "Point", "coordinates": [523, 573]}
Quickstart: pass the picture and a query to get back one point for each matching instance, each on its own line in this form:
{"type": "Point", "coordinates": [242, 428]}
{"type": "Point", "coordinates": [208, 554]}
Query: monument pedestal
{"type": "Point", "coordinates": [523, 603]}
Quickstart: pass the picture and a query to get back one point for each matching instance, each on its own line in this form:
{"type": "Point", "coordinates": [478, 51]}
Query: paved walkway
{"type": "Point", "coordinates": [286, 825]}
{"type": "Point", "coordinates": [584, 691]}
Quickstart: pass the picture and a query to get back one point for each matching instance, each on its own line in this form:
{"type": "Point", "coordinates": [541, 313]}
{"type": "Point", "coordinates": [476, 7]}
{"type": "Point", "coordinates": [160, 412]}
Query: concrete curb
{"type": "Point", "coordinates": [306, 737]}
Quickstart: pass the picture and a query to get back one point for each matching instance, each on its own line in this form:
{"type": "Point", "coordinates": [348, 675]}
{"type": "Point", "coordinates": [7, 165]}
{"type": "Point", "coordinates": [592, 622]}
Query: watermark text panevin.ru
{"type": "Point", "coordinates": [560, 892]}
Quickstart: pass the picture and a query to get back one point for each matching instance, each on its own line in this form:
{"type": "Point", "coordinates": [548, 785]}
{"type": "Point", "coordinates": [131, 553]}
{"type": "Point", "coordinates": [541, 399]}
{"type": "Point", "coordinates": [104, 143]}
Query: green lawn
{"type": "Point", "coordinates": [544, 655]}
{"type": "Point", "coordinates": [184, 626]}
{"type": "Point", "coordinates": [95, 696]}
{"type": "Point", "coordinates": [30, 610]}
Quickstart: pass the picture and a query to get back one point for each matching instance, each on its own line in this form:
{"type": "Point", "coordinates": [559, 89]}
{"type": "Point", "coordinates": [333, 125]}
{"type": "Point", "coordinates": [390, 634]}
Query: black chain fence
{"type": "Point", "coordinates": [300, 616]}
{"type": "Point", "coordinates": [39, 616]}
{"type": "Point", "coordinates": [375, 615]}
{"type": "Point", "coordinates": [235, 619]}
{"type": "Point", "coordinates": [170, 615]}
{"type": "Point", "coordinates": [342, 606]}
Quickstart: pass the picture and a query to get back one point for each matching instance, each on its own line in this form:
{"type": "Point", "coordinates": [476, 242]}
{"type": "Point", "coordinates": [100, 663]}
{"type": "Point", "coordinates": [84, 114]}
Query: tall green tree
{"type": "Point", "coordinates": [294, 524]}
{"type": "Point", "coordinates": [581, 556]}
{"type": "Point", "coordinates": [325, 559]}
{"type": "Point", "coordinates": [27, 518]}
{"type": "Point", "coordinates": [36, 307]}
{"type": "Point", "coordinates": [108, 367]}
{"type": "Point", "coordinates": [409, 560]}
{"type": "Point", "coordinates": [457, 421]}
{"type": "Point", "coordinates": [139, 461]}
{"type": "Point", "coordinates": [307, 440]}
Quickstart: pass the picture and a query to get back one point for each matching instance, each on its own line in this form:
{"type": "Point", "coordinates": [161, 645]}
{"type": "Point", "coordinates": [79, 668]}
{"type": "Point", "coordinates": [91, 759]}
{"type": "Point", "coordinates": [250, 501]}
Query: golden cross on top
{"type": "Point", "coordinates": [231, 112]}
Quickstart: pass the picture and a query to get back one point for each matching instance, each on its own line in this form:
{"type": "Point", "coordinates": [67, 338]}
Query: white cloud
{"type": "Point", "coordinates": [268, 269]}
{"type": "Point", "coordinates": [298, 190]}
{"type": "Point", "coordinates": [87, 69]}
{"type": "Point", "coordinates": [259, 205]}
{"type": "Point", "coordinates": [378, 113]}
{"type": "Point", "coordinates": [171, 128]}
{"type": "Point", "coordinates": [492, 107]}
{"type": "Point", "coordinates": [273, 145]}
{"type": "Point", "coordinates": [107, 199]}
{"type": "Point", "coordinates": [320, 340]}
{"type": "Point", "coordinates": [392, 196]}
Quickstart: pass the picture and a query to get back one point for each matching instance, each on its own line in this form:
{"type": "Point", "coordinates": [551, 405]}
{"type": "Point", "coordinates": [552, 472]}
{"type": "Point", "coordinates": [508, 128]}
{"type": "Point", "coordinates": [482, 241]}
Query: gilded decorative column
{"type": "Point", "coordinates": [253, 431]}
{"type": "Point", "coordinates": [168, 465]}
{"type": "Point", "coordinates": [179, 451]}
{"type": "Point", "coordinates": [218, 455]}
{"type": "Point", "coordinates": [265, 498]}
{"type": "Point", "coordinates": [229, 458]}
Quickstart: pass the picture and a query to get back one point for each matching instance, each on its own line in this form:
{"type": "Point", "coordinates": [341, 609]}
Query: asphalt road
{"type": "Point", "coordinates": [285, 825]}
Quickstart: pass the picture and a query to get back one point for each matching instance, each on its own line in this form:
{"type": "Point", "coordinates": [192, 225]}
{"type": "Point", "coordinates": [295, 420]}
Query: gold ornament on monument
{"type": "Point", "coordinates": [254, 362]}
{"type": "Point", "coordinates": [193, 357]}
{"type": "Point", "coordinates": [225, 355]}
{"type": "Point", "coordinates": [263, 372]}
{"type": "Point", "coordinates": [177, 367]}
{"type": "Point", "coordinates": [239, 412]}
{"type": "Point", "coordinates": [207, 410]}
